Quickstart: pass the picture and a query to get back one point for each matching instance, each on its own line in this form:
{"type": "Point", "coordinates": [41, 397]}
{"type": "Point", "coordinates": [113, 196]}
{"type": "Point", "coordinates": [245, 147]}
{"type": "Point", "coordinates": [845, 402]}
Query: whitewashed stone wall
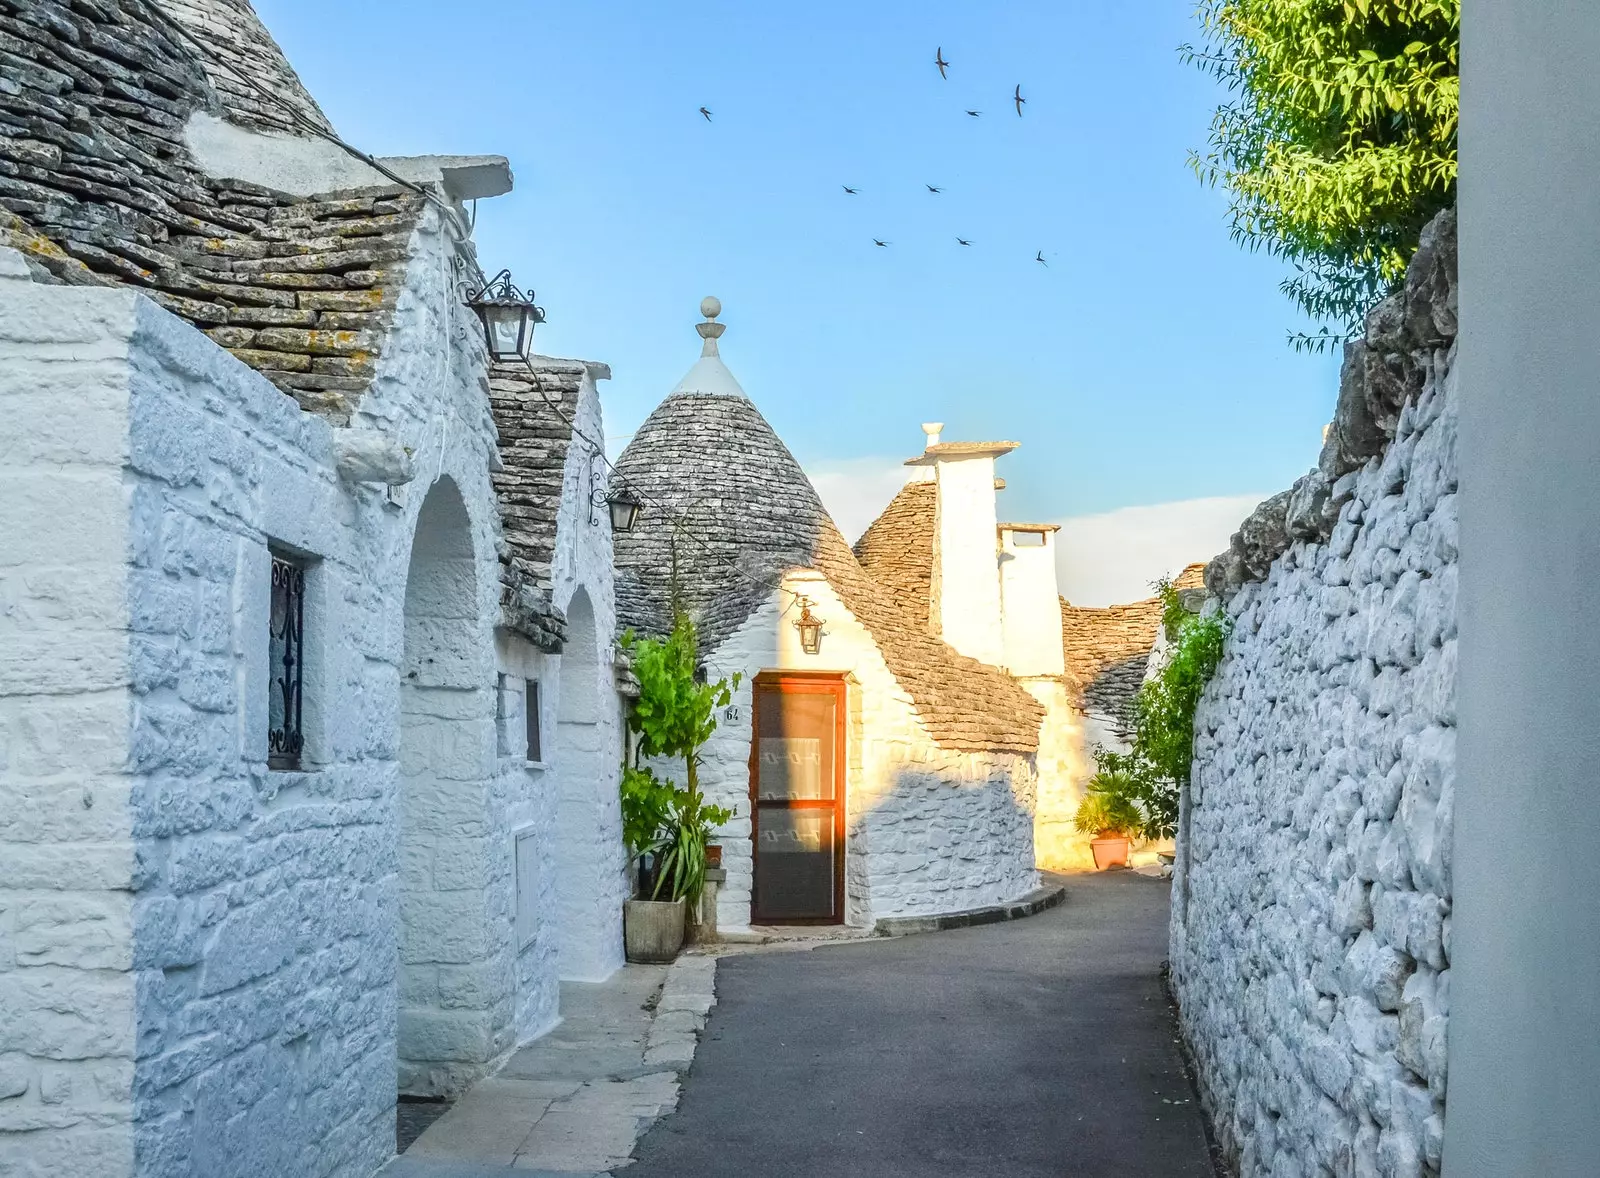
{"type": "Point", "coordinates": [198, 957]}
{"type": "Point", "coordinates": [67, 858]}
{"type": "Point", "coordinates": [1311, 912]}
{"type": "Point", "coordinates": [928, 829]}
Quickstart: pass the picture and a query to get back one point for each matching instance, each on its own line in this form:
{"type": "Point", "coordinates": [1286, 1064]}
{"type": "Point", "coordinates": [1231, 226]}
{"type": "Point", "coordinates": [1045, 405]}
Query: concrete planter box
{"type": "Point", "coordinates": [652, 930]}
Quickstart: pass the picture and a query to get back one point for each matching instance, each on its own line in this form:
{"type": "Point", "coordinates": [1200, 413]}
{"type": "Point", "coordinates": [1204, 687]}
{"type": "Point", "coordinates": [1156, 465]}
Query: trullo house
{"type": "Point", "coordinates": [309, 738]}
{"type": "Point", "coordinates": [874, 769]}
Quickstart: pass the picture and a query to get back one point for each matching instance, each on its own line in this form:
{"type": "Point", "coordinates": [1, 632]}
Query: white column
{"type": "Point", "coordinates": [1525, 983]}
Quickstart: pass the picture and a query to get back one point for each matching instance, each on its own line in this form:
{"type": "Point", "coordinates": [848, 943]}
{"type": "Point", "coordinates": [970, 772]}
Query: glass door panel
{"type": "Point", "coordinates": [798, 803]}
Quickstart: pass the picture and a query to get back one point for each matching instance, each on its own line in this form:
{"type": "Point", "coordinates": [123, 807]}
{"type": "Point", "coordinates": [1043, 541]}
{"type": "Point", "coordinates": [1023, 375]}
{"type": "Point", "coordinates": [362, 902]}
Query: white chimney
{"type": "Point", "coordinates": [1030, 600]}
{"type": "Point", "coordinates": [966, 604]}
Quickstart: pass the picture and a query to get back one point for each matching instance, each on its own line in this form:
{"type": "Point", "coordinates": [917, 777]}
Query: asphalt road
{"type": "Point", "coordinates": [1040, 1047]}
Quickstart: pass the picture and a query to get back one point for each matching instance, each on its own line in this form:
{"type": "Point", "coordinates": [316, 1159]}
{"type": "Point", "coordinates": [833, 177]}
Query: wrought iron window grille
{"type": "Point", "coordinates": [286, 664]}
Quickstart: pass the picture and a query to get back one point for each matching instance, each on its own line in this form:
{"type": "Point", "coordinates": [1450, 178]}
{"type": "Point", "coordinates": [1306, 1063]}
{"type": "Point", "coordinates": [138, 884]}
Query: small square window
{"type": "Point", "coordinates": [286, 663]}
{"type": "Point", "coordinates": [531, 710]}
{"type": "Point", "coordinates": [1027, 539]}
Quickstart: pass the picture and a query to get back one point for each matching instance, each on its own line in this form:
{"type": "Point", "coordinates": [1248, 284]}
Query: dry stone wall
{"type": "Point", "coordinates": [1311, 915]}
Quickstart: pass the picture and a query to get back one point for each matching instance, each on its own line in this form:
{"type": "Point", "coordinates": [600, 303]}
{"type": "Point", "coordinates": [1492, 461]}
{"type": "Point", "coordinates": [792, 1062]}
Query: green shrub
{"type": "Point", "coordinates": [1150, 776]}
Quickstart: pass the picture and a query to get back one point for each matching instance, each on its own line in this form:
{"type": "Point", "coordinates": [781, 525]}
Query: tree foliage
{"type": "Point", "coordinates": [673, 717]}
{"type": "Point", "coordinates": [1338, 140]}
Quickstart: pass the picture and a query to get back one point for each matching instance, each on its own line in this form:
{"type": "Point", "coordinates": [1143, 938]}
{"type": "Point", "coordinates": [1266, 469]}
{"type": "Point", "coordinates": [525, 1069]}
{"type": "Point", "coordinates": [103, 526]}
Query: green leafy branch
{"type": "Point", "coordinates": [1150, 776]}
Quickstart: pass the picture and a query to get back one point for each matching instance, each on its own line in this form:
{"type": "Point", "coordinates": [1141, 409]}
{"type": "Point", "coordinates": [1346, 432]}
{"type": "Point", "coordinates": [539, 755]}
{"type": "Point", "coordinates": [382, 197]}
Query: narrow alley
{"type": "Point", "coordinates": [1039, 1047]}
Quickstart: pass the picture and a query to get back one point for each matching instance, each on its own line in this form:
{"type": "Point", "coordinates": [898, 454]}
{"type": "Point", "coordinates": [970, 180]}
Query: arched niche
{"type": "Point", "coordinates": [448, 938]}
{"type": "Point", "coordinates": [587, 844]}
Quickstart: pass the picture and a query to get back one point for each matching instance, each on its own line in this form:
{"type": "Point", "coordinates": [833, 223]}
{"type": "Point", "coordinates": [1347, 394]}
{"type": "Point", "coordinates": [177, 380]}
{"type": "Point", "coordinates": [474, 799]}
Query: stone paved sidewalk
{"type": "Point", "coordinates": [575, 1101]}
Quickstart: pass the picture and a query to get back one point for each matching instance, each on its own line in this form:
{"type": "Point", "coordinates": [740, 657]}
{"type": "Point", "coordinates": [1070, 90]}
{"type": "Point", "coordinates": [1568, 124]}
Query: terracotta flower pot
{"type": "Point", "coordinates": [652, 930]}
{"type": "Point", "coordinates": [713, 854]}
{"type": "Point", "coordinates": [1110, 851]}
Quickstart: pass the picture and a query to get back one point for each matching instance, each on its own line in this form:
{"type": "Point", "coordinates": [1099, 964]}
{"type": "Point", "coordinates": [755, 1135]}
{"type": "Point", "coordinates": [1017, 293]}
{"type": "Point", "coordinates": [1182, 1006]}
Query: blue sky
{"type": "Point", "coordinates": [1147, 364]}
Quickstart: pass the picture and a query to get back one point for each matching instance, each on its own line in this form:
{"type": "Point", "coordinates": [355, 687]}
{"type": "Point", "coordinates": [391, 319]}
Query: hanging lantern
{"type": "Point", "coordinates": [508, 317]}
{"type": "Point", "coordinates": [810, 627]}
{"type": "Point", "coordinates": [625, 507]}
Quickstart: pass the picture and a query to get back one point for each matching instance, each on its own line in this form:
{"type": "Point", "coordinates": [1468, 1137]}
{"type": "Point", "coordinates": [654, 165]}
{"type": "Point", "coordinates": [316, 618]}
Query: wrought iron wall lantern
{"type": "Point", "coordinates": [625, 508]}
{"type": "Point", "coordinates": [624, 505]}
{"type": "Point", "coordinates": [810, 627]}
{"type": "Point", "coordinates": [508, 317]}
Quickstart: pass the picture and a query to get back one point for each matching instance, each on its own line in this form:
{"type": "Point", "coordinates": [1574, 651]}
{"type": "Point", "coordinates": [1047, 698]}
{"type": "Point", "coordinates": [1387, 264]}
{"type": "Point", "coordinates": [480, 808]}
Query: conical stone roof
{"type": "Point", "coordinates": [730, 512]}
{"type": "Point", "coordinates": [254, 80]}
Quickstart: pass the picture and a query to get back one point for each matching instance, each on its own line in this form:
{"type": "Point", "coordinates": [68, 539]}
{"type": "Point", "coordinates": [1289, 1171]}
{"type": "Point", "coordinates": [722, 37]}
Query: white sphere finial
{"type": "Point", "coordinates": [710, 330]}
{"type": "Point", "coordinates": [933, 429]}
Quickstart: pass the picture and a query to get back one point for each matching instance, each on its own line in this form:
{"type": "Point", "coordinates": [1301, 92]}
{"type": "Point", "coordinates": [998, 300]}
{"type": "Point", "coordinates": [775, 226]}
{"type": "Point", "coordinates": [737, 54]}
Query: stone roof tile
{"type": "Point", "coordinates": [534, 440]}
{"type": "Point", "coordinates": [96, 187]}
{"type": "Point", "coordinates": [239, 52]}
{"type": "Point", "coordinates": [897, 550]}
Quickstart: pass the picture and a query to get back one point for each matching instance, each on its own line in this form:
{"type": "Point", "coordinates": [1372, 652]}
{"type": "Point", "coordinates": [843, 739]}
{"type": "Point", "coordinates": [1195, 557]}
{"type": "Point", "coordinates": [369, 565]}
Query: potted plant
{"type": "Point", "coordinates": [667, 826]}
{"type": "Point", "coordinates": [1108, 812]}
{"type": "Point", "coordinates": [652, 927]}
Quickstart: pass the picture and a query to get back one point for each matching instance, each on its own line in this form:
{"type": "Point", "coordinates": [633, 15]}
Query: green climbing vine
{"type": "Point", "coordinates": [1151, 774]}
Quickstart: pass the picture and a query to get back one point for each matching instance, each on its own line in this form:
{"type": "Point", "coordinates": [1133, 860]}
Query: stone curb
{"type": "Point", "coordinates": [1032, 904]}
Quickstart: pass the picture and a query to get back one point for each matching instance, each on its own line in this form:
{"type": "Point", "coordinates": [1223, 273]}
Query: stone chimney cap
{"type": "Point", "coordinates": [955, 451]}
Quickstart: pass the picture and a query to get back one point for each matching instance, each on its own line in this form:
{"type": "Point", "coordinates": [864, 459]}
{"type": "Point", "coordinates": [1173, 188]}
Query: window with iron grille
{"type": "Point", "coordinates": [286, 663]}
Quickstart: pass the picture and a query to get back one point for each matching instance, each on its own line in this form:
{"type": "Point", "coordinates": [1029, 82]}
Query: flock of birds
{"type": "Point", "coordinates": [943, 67]}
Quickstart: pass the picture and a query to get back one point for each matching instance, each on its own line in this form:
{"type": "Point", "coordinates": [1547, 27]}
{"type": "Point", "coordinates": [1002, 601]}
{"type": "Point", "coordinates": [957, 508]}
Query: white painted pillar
{"type": "Point", "coordinates": [1525, 983]}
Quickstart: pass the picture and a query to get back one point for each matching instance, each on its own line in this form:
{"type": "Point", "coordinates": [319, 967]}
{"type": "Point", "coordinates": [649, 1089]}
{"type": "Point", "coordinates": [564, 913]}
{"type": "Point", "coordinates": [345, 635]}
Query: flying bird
{"type": "Point", "coordinates": [1039, 257]}
{"type": "Point", "coordinates": [851, 191]}
{"type": "Point", "coordinates": [883, 245]}
{"type": "Point", "coordinates": [938, 60]}
{"type": "Point", "coordinates": [962, 241]}
{"type": "Point", "coordinates": [707, 113]}
{"type": "Point", "coordinates": [1018, 99]}
{"type": "Point", "coordinates": [932, 189]}
{"type": "Point", "coordinates": [976, 114]}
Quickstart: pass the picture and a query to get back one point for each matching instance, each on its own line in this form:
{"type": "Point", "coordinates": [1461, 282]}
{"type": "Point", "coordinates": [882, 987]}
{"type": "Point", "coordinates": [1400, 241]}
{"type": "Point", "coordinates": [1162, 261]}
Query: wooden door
{"type": "Point", "coordinates": [797, 761]}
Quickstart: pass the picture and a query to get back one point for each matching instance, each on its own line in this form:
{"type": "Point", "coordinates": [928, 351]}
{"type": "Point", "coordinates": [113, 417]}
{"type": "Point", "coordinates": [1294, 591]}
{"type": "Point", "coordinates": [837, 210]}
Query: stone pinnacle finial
{"type": "Point", "coordinates": [933, 429]}
{"type": "Point", "coordinates": [710, 330]}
